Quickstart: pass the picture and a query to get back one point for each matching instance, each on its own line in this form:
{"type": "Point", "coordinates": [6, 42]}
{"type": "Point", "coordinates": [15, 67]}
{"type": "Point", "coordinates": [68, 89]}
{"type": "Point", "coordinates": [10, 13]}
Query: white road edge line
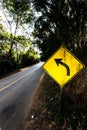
{"type": "Point", "coordinates": [15, 81]}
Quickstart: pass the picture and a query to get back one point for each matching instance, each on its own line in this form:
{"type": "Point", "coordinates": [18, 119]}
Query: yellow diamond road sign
{"type": "Point", "coordinates": [62, 66]}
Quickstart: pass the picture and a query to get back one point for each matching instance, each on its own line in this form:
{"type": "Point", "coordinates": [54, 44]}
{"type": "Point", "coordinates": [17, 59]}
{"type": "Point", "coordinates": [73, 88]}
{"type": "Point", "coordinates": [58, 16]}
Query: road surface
{"type": "Point", "coordinates": [15, 94]}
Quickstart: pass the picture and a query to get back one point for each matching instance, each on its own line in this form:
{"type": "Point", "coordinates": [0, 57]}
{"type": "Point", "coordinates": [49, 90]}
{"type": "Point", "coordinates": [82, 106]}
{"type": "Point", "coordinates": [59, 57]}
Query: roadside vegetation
{"type": "Point", "coordinates": [21, 55]}
{"type": "Point", "coordinates": [16, 51]}
{"type": "Point", "coordinates": [45, 113]}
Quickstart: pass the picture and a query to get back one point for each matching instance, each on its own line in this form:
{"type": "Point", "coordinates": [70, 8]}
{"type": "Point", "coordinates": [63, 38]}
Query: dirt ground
{"type": "Point", "coordinates": [44, 111]}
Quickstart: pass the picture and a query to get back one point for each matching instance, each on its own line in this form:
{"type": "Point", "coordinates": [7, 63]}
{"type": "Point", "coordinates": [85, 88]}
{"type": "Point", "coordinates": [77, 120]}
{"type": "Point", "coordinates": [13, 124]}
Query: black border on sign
{"type": "Point", "coordinates": [73, 56]}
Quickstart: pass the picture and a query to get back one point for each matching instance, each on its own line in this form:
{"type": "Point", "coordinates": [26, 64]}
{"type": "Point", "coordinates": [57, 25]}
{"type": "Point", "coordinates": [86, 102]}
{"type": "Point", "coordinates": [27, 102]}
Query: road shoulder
{"type": "Point", "coordinates": [44, 112]}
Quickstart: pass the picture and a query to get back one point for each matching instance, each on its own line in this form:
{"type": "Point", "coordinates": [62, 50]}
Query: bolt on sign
{"type": "Point", "coordinates": [62, 66]}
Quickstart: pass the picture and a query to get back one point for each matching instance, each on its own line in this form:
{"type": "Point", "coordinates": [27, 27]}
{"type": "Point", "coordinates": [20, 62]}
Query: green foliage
{"type": "Point", "coordinates": [4, 40]}
{"type": "Point", "coordinates": [28, 58]}
{"type": "Point", "coordinates": [26, 42]}
{"type": "Point", "coordinates": [20, 10]}
{"type": "Point", "coordinates": [23, 55]}
{"type": "Point", "coordinates": [15, 51]}
{"type": "Point", "coordinates": [17, 13]}
{"type": "Point", "coordinates": [6, 65]}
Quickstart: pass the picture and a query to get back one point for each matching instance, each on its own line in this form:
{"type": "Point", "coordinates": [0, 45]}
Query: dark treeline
{"type": "Point", "coordinates": [61, 22]}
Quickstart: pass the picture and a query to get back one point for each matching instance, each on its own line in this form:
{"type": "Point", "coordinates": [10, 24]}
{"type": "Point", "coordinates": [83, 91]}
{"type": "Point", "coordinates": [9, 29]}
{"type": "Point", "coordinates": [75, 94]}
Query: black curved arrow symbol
{"type": "Point", "coordinates": [58, 61]}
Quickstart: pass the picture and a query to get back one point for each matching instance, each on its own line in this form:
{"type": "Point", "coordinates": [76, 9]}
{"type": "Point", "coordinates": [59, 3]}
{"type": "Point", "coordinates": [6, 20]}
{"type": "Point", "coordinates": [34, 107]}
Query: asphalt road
{"type": "Point", "coordinates": [15, 94]}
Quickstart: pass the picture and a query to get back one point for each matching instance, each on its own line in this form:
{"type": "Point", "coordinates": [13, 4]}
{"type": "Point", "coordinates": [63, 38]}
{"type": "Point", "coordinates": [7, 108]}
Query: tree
{"type": "Point", "coordinates": [17, 13]}
{"type": "Point", "coordinates": [61, 21]}
{"type": "Point", "coordinates": [24, 56]}
{"type": "Point", "coordinates": [15, 51]}
{"type": "Point", "coordinates": [4, 40]}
